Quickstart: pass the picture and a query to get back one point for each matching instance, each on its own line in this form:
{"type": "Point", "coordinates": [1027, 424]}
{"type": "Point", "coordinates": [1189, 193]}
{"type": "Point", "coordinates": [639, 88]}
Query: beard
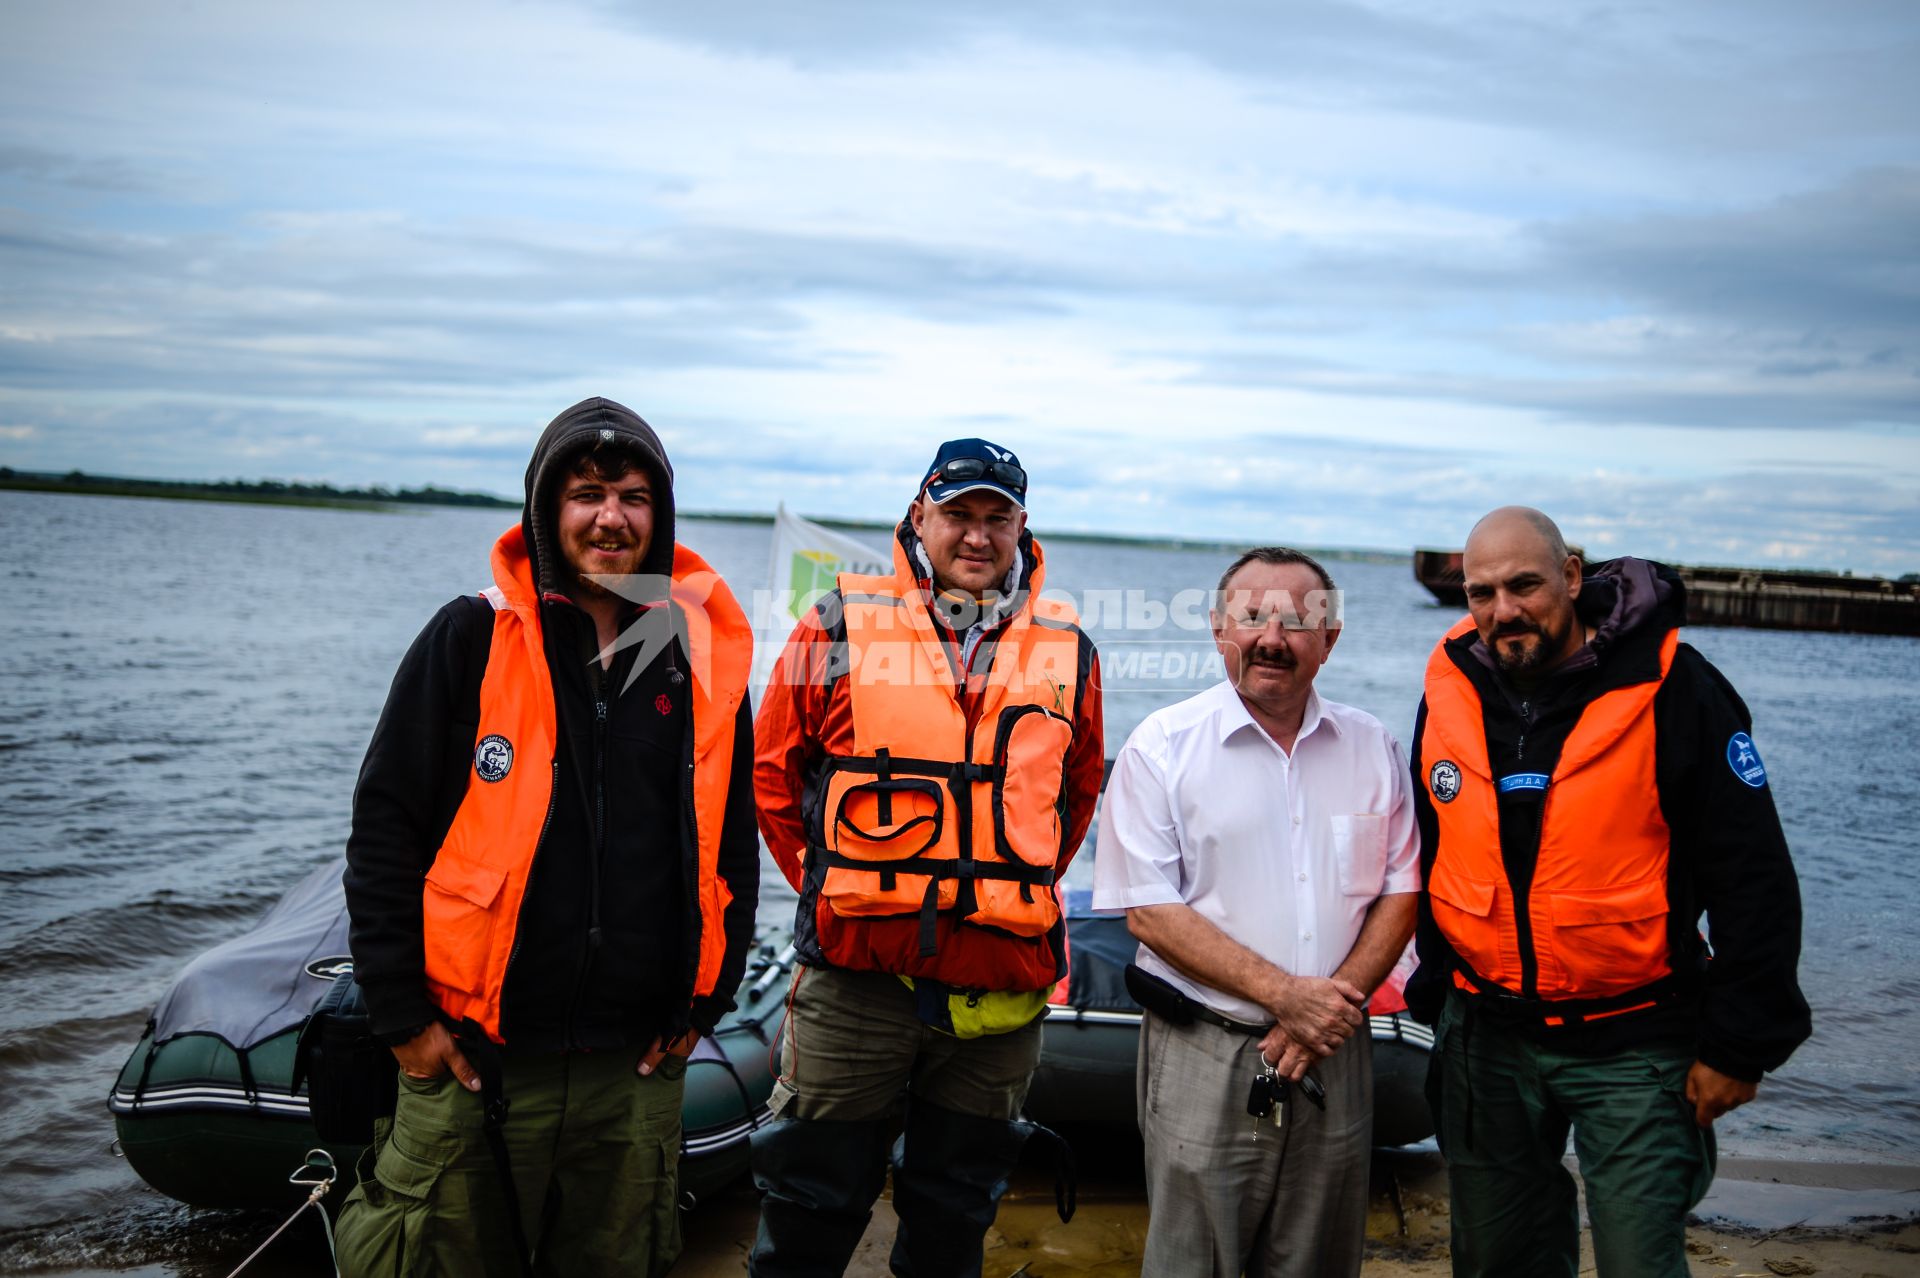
{"type": "Point", "coordinates": [1525, 659]}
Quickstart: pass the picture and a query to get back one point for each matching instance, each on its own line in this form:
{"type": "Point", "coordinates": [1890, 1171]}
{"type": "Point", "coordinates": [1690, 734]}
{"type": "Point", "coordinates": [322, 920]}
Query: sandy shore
{"type": "Point", "coordinates": [1764, 1218]}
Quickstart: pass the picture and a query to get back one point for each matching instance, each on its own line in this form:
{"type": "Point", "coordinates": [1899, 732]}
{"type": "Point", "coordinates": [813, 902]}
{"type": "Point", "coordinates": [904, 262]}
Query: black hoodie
{"type": "Point", "coordinates": [608, 933]}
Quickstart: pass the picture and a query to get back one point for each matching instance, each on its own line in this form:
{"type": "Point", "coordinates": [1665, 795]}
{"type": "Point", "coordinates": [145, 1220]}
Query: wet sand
{"type": "Point", "coordinates": [1763, 1218]}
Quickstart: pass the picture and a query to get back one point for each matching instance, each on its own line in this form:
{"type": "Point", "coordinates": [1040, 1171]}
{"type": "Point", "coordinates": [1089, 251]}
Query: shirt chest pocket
{"type": "Point", "coordinates": [1360, 850]}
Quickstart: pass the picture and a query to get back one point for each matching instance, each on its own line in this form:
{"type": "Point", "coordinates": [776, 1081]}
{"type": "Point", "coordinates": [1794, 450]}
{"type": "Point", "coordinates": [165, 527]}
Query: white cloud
{"type": "Point", "coordinates": [1388, 260]}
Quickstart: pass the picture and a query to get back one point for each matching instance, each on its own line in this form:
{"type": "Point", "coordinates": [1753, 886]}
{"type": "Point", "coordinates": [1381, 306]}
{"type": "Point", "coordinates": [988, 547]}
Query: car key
{"type": "Point", "coordinates": [1260, 1098]}
{"type": "Point", "coordinates": [1267, 1089]}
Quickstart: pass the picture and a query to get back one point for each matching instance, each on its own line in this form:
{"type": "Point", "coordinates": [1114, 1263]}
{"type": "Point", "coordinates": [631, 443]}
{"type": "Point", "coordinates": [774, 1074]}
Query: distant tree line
{"type": "Point", "coordinates": [261, 490]}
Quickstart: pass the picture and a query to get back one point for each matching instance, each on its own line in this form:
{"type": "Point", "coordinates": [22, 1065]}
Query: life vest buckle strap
{"type": "Point", "coordinates": [930, 920]}
{"type": "Point", "coordinates": [937, 867]}
{"type": "Point", "coordinates": [1504, 1006]}
{"type": "Point", "coordinates": [896, 765]}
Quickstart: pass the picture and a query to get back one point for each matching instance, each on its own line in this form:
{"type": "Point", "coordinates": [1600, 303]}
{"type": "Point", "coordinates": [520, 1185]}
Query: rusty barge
{"type": "Point", "coordinates": [1761, 598]}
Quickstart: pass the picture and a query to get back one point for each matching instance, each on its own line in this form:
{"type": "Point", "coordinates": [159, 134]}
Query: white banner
{"type": "Point", "coordinates": [807, 558]}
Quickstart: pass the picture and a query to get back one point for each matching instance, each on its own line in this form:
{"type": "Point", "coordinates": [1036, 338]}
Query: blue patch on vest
{"type": "Point", "coordinates": [493, 757]}
{"type": "Point", "coordinates": [1744, 758]}
{"type": "Point", "coordinates": [1521, 781]}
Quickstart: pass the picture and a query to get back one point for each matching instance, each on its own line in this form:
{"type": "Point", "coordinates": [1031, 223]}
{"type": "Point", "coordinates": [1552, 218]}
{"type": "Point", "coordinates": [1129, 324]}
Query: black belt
{"type": "Point", "coordinates": [1175, 1006]}
{"type": "Point", "coordinates": [1202, 1012]}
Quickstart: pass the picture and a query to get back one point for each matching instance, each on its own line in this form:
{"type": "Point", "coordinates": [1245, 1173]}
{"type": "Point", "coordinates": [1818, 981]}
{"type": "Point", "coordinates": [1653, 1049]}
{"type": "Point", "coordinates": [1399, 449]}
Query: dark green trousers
{"type": "Point", "coordinates": [595, 1151]}
{"type": "Point", "coordinates": [1505, 1103]}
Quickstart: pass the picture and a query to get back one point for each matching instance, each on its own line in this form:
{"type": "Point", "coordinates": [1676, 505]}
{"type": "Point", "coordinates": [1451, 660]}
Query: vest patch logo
{"type": "Point", "coordinates": [493, 757]}
{"type": "Point", "coordinates": [1744, 759]}
{"type": "Point", "coordinates": [663, 703]}
{"type": "Point", "coordinates": [1444, 780]}
{"type": "Point", "coordinates": [331, 969]}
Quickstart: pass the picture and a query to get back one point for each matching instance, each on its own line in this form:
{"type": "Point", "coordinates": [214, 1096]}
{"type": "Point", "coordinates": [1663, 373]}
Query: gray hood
{"type": "Point", "coordinates": [574, 431]}
{"type": "Point", "coordinates": [1625, 595]}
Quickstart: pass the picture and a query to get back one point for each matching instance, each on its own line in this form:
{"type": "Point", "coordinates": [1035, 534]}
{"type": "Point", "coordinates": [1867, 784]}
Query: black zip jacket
{"type": "Point", "coordinates": [608, 935]}
{"type": "Point", "coordinates": [1738, 1002]}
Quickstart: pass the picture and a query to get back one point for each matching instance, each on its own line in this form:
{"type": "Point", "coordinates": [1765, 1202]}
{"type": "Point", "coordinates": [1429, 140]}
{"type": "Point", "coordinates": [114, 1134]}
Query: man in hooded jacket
{"type": "Point", "coordinates": [552, 876]}
{"type": "Point", "coordinates": [1587, 787]}
{"type": "Point", "coordinates": [929, 759]}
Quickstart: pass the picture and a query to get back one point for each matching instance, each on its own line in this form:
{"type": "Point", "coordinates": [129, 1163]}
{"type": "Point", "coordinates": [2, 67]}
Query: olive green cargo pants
{"type": "Point", "coordinates": [1504, 1102]}
{"type": "Point", "coordinates": [853, 1050]}
{"type": "Point", "coordinates": [595, 1152]}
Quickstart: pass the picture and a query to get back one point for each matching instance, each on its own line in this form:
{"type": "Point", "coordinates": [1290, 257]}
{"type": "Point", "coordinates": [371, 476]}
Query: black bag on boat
{"type": "Point", "coordinates": [351, 1075]}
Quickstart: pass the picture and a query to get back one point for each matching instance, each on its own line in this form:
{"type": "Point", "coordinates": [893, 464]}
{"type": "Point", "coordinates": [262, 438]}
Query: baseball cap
{"type": "Point", "coordinates": [968, 465]}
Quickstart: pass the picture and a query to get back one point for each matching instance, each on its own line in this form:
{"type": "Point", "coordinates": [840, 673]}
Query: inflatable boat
{"type": "Point", "coordinates": [206, 1112]}
{"type": "Point", "coordinates": [1086, 1072]}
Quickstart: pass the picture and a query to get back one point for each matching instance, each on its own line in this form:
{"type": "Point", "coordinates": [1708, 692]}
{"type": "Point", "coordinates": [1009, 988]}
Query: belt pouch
{"type": "Point", "coordinates": [1158, 995]}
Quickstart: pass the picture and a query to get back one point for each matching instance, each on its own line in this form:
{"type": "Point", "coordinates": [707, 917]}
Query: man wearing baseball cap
{"type": "Point", "coordinates": [929, 758]}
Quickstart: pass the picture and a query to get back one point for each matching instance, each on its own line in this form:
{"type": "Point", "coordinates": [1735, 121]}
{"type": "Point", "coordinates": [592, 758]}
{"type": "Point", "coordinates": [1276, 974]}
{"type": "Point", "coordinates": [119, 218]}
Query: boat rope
{"type": "Point", "coordinates": [746, 1097]}
{"type": "Point", "coordinates": [323, 1173]}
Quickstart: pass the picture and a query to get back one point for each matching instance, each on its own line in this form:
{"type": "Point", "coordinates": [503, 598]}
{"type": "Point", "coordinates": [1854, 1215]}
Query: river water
{"type": "Point", "coordinates": [186, 690]}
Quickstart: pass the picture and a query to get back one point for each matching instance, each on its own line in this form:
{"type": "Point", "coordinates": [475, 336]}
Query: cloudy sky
{"type": "Point", "coordinates": [1338, 272]}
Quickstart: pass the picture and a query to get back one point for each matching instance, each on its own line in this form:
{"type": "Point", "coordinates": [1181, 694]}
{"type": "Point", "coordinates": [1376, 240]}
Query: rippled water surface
{"type": "Point", "coordinates": [186, 690]}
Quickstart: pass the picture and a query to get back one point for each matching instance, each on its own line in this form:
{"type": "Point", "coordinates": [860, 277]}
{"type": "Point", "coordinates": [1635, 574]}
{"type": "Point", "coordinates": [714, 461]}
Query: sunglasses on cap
{"type": "Point", "coordinates": [962, 469]}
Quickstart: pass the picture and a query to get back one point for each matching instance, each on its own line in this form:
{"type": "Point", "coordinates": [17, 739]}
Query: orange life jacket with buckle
{"type": "Point", "coordinates": [471, 900]}
{"type": "Point", "coordinates": [1596, 926]}
{"type": "Point", "coordinates": [929, 815]}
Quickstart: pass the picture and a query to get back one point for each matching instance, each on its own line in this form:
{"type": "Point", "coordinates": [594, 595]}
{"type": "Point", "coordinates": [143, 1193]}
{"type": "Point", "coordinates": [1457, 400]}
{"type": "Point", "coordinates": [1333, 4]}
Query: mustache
{"type": "Point", "coordinates": [1281, 657]}
{"type": "Point", "coordinates": [1513, 628]}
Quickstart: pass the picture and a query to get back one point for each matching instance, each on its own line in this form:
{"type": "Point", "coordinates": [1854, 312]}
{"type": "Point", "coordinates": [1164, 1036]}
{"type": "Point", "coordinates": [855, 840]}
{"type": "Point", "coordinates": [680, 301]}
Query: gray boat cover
{"type": "Point", "coordinates": [268, 980]}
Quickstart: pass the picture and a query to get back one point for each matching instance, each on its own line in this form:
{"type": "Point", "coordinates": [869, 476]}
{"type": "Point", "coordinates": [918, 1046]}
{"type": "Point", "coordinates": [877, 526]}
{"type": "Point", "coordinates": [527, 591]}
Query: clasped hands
{"type": "Point", "coordinates": [1313, 1016]}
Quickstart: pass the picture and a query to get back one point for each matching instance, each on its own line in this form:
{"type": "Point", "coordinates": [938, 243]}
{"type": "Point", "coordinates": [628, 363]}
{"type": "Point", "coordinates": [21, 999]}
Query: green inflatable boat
{"type": "Point", "coordinates": [206, 1113]}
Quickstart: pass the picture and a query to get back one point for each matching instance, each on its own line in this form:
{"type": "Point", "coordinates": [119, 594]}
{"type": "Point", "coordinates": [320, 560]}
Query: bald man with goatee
{"type": "Point", "coordinates": [1588, 789]}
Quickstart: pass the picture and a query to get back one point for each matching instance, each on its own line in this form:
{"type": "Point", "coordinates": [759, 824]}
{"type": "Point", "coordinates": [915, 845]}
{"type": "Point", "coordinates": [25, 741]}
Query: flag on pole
{"type": "Point", "coordinates": [806, 560]}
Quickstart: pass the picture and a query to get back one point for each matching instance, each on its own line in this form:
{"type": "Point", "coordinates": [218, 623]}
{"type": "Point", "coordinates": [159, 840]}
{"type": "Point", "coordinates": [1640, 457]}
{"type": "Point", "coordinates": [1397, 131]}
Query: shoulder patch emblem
{"type": "Point", "coordinates": [1444, 780]}
{"type": "Point", "coordinates": [493, 757]}
{"type": "Point", "coordinates": [1744, 759]}
{"type": "Point", "coordinates": [331, 968]}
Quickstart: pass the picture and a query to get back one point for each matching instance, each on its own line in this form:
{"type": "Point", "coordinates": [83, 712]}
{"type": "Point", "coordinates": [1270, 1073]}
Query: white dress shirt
{"type": "Point", "coordinates": [1282, 853]}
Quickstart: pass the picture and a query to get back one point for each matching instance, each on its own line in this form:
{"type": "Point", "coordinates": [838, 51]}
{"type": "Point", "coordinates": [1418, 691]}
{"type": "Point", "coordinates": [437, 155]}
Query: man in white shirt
{"type": "Point", "coordinates": [1262, 844]}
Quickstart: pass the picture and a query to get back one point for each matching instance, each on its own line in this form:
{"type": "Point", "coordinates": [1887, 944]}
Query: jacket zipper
{"type": "Point", "coordinates": [690, 860]}
{"type": "Point", "coordinates": [553, 797]}
{"type": "Point", "coordinates": [594, 859]}
{"type": "Point", "coordinates": [1523, 899]}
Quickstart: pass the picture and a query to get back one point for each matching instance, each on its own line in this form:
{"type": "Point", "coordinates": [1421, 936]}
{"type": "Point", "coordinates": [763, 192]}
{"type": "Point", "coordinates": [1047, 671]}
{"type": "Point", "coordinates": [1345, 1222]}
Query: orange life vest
{"type": "Point", "coordinates": [928, 815]}
{"type": "Point", "coordinates": [471, 901]}
{"type": "Point", "coordinates": [1598, 904]}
